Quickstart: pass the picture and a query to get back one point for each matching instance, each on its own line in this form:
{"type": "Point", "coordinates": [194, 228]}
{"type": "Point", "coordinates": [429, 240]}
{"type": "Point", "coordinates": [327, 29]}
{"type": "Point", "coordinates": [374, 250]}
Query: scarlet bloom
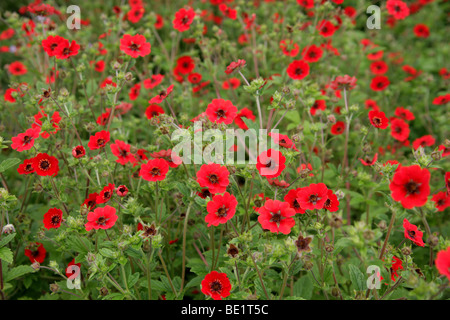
{"type": "Point", "coordinates": [183, 19]}
{"type": "Point", "coordinates": [411, 186]}
{"type": "Point", "coordinates": [441, 100]}
{"type": "Point", "coordinates": [45, 165]}
{"type": "Point", "coordinates": [443, 262]}
{"type": "Point", "coordinates": [338, 128]}
{"type": "Point", "coordinates": [399, 129]}
{"type": "Point", "coordinates": [153, 110]}
{"type": "Point", "coordinates": [369, 162]}
{"type": "Point", "coordinates": [99, 66]}
{"type": "Point", "coordinates": [298, 69]}
{"type": "Point", "coordinates": [66, 49]}
{"type": "Point", "coordinates": [379, 83]}
{"type": "Point", "coordinates": [235, 65]}
{"type": "Point", "coordinates": [318, 105]}
{"type": "Point", "coordinates": [291, 198]}
{"type": "Point", "coordinates": [378, 119]}
{"type": "Point", "coordinates": [405, 114]}
{"type": "Point", "coordinates": [78, 152]}
{"type": "Point", "coordinates": [413, 73]}
{"type": "Point", "coordinates": [173, 160]}
{"type": "Point", "coordinates": [25, 141]}
{"type": "Point", "coordinates": [441, 200]}
{"type": "Point", "coordinates": [217, 285]}
{"type": "Point", "coordinates": [163, 94]}
{"type": "Point", "coordinates": [185, 65]}
{"type": "Point", "coordinates": [232, 83]}
{"type": "Point", "coordinates": [221, 111]}
{"type": "Point", "coordinates": [220, 209]}
{"type": "Point", "coordinates": [343, 82]}
{"type": "Point", "coordinates": [101, 218]}
{"type": "Point", "coordinates": [421, 30]}
{"type": "Point", "coordinates": [214, 177]}
{"type": "Point", "coordinates": [379, 67]}
{"type": "Point", "coordinates": [154, 170]}
{"type": "Point", "coordinates": [195, 78]}
{"type": "Point", "coordinates": [270, 163]}
{"type": "Point", "coordinates": [289, 48]}
{"type": "Point", "coordinates": [53, 218]}
{"type": "Point", "coordinates": [396, 265]}
{"type": "Point", "coordinates": [36, 252]}
{"type": "Point", "coordinates": [332, 203]}
{"type": "Point", "coordinates": [135, 46]}
{"type": "Point", "coordinates": [153, 81]}
{"type": "Point", "coordinates": [106, 194]}
{"type": "Point", "coordinates": [91, 201]}
{"type": "Point", "coordinates": [276, 216]}
{"type": "Point", "coordinates": [424, 141]}
{"type": "Point", "coordinates": [122, 191]}
{"type": "Point", "coordinates": [398, 9]}
{"type": "Point", "coordinates": [70, 271]}
{"type": "Point", "coordinates": [412, 233]}
{"type": "Point", "coordinates": [282, 140]}
{"type": "Point", "coordinates": [312, 53]}
{"type": "Point", "coordinates": [313, 197]}
{"type": "Point", "coordinates": [17, 68]}
{"type": "Point", "coordinates": [244, 113]}
{"type": "Point", "coordinates": [54, 120]}
{"type": "Point", "coordinates": [26, 167]}
{"type": "Point", "coordinates": [122, 151]}
{"type": "Point", "coordinates": [326, 28]}
{"type": "Point", "coordinates": [99, 140]}
{"type": "Point", "coordinates": [51, 44]}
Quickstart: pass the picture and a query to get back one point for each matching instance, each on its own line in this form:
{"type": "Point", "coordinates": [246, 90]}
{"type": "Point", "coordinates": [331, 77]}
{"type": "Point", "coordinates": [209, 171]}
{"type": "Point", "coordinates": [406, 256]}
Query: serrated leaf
{"type": "Point", "coordinates": [8, 163]}
{"type": "Point", "coordinates": [18, 272]}
{"type": "Point", "coordinates": [357, 278]}
{"type": "Point", "coordinates": [4, 241]}
{"type": "Point", "coordinates": [6, 254]}
{"type": "Point", "coordinates": [303, 288]}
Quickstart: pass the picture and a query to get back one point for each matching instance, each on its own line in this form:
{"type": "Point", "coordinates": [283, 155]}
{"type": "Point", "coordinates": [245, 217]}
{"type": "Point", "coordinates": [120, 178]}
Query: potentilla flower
{"type": "Point", "coordinates": [302, 244]}
{"type": "Point", "coordinates": [413, 73]}
{"type": "Point", "coordinates": [369, 162]}
{"type": "Point", "coordinates": [289, 48]}
{"type": "Point", "coordinates": [332, 203]}
{"type": "Point", "coordinates": [276, 216]}
{"type": "Point", "coordinates": [221, 111]}
{"type": "Point", "coordinates": [410, 186]}
{"type": "Point", "coordinates": [412, 233]}
{"type": "Point", "coordinates": [153, 81]}
{"type": "Point", "coordinates": [232, 83]}
{"type": "Point", "coordinates": [447, 182]}
{"type": "Point", "coordinates": [195, 78]}
{"type": "Point", "coordinates": [214, 177]}
{"type": "Point", "coordinates": [153, 110]}
{"type": "Point", "coordinates": [204, 193]}
{"type": "Point", "coordinates": [172, 159]}
{"type": "Point", "coordinates": [26, 167]}
{"type": "Point", "coordinates": [122, 191]}
{"type": "Point", "coordinates": [441, 100]}
{"type": "Point", "coordinates": [91, 201]}
{"type": "Point", "coordinates": [135, 14]}
{"type": "Point", "coordinates": [379, 67]}
{"type": "Point", "coordinates": [25, 141]}
{"type": "Point", "coordinates": [183, 19]}
{"type": "Point", "coordinates": [54, 120]}
{"type": "Point", "coordinates": [270, 163]}
{"type": "Point", "coordinates": [404, 114]}
{"type": "Point", "coordinates": [185, 64]}
{"type": "Point", "coordinates": [291, 198]}
{"type": "Point", "coordinates": [17, 68]}
{"type": "Point", "coordinates": [313, 197]}
{"type": "Point", "coordinates": [53, 218]}
{"type": "Point", "coordinates": [216, 285]}
{"type": "Point", "coordinates": [163, 94]}
{"type": "Point", "coordinates": [99, 140]}
{"type": "Point", "coordinates": [72, 272]}
{"type": "Point", "coordinates": [441, 200]}
{"type": "Point", "coordinates": [298, 69]}
{"type": "Point", "coordinates": [399, 129]}
{"type": "Point", "coordinates": [122, 151]}
{"type": "Point", "coordinates": [379, 83]}
{"type": "Point", "coordinates": [134, 92]}
{"type": "Point", "coordinates": [244, 113]}
{"type": "Point", "coordinates": [99, 66]}
{"type": "Point", "coordinates": [35, 252]}
{"type": "Point", "coordinates": [318, 105]}
{"type": "Point", "coordinates": [51, 45]}
{"type": "Point", "coordinates": [78, 152]}
{"type": "Point", "coordinates": [396, 265]}
{"type": "Point", "coordinates": [45, 165]}
{"type": "Point", "coordinates": [66, 49]}
{"type": "Point", "coordinates": [398, 9]}
{"type": "Point", "coordinates": [421, 30]}
{"type": "Point", "coordinates": [227, 11]}
{"type": "Point", "coordinates": [338, 128]}
{"type": "Point", "coordinates": [424, 141]}
{"type": "Point", "coordinates": [101, 218]}
{"type": "Point", "coordinates": [282, 140]}
{"type": "Point", "coordinates": [106, 194]}
{"type": "Point", "coordinates": [220, 209]}
{"type": "Point", "coordinates": [378, 119]}
{"type": "Point", "coordinates": [343, 82]}
{"type": "Point", "coordinates": [312, 53]}
{"type": "Point", "coordinates": [326, 28]}
{"type": "Point", "coordinates": [443, 262]}
{"type": "Point", "coordinates": [135, 46]}
{"type": "Point", "coordinates": [235, 65]}
{"type": "Point", "coordinates": [154, 170]}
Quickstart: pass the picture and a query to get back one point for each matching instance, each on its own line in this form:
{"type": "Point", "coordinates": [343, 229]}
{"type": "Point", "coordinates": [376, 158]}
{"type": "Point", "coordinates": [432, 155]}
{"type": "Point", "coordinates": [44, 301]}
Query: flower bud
{"type": "Point", "coordinates": [8, 229]}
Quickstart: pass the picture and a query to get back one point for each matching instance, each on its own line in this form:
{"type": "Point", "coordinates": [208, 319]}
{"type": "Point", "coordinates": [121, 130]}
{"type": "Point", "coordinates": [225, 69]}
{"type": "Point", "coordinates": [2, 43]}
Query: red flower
{"type": "Point", "coordinates": [445, 150]}
{"type": "Point", "coordinates": [153, 81]}
{"type": "Point", "coordinates": [235, 65]}
{"type": "Point", "coordinates": [66, 49]}
{"type": "Point", "coordinates": [313, 197]}
{"type": "Point", "coordinates": [410, 185]}
{"type": "Point", "coordinates": [270, 163]}
{"type": "Point", "coordinates": [342, 82]}
{"type": "Point", "coordinates": [106, 194]}
{"type": "Point", "coordinates": [51, 45]}
{"type": "Point", "coordinates": [368, 161]}
{"type": "Point", "coordinates": [298, 69]}
{"type": "Point", "coordinates": [232, 83]}
{"type": "Point", "coordinates": [318, 105]}
{"type": "Point", "coordinates": [45, 165]}
{"type": "Point", "coordinates": [413, 73]}
{"type": "Point", "coordinates": [412, 233]}
{"type": "Point", "coordinates": [53, 218]}
{"type": "Point", "coordinates": [399, 129]}
{"type": "Point", "coordinates": [312, 53]}
{"type": "Point", "coordinates": [159, 22]}
{"type": "Point", "coordinates": [379, 83]}
{"type": "Point", "coordinates": [154, 170]}
{"type": "Point", "coordinates": [276, 216]}
{"type": "Point", "coordinates": [424, 141]}
{"type": "Point", "coordinates": [396, 265]}
{"type": "Point", "coordinates": [221, 111]}
{"type": "Point", "coordinates": [220, 209]}
{"type": "Point", "coordinates": [217, 285]}
{"type": "Point", "coordinates": [214, 177]}
{"type": "Point", "coordinates": [78, 152]}
{"type": "Point", "coordinates": [289, 49]}
{"type": "Point", "coordinates": [332, 203]}
{"type": "Point", "coordinates": [244, 113]}
{"type": "Point", "coordinates": [122, 151]}
{"type": "Point", "coordinates": [195, 78]}
{"type": "Point", "coordinates": [135, 46]}
{"type": "Point", "coordinates": [101, 218]}
{"type": "Point", "coordinates": [378, 119]}
{"type": "Point", "coordinates": [54, 120]}
{"type": "Point", "coordinates": [441, 200]}
{"type": "Point", "coordinates": [153, 110]}
{"type": "Point", "coordinates": [17, 68]}
{"type": "Point", "coordinates": [326, 28]}
{"type": "Point", "coordinates": [421, 30]}
{"type": "Point", "coordinates": [25, 141]}
{"type": "Point", "coordinates": [26, 167]}
{"type": "Point", "coordinates": [99, 140]}
{"type": "Point", "coordinates": [91, 201]}
{"type": "Point", "coordinates": [35, 252]}
{"type": "Point", "coordinates": [135, 14]}
{"type": "Point", "coordinates": [122, 191]}
{"type": "Point", "coordinates": [443, 262]}
{"type": "Point", "coordinates": [172, 159]}
{"type": "Point", "coordinates": [440, 100]}
{"type": "Point", "coordinates": [183, 19]}
{"type": "Point", "coordinates": [282, 140]}
{"type": "Point", "coordinates": [338, 128]}
{"type": "Point", "coordinates": [379, 67]}
{"type": "Point", "coordinates": [291, 198]}
{"type": "Point", "coordinates": [405, 114]}
{"type": "Point", "coordinates": [72, 272]}
{"type": "Point", "coordinates": [163, 94]}
{"type": "Point", "coordinates": [134, 91]}
{"type": "Point", "coordinates": [99, 66]}
{"type": "Point", "coordinates": [398, 9]}
{"type": "Point", "coordinates": [185, 65]}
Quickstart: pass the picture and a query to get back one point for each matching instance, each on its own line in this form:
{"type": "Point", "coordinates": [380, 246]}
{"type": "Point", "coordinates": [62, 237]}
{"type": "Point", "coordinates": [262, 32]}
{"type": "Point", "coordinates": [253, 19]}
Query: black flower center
{"type": "Point", "coordinates": [216, 286]}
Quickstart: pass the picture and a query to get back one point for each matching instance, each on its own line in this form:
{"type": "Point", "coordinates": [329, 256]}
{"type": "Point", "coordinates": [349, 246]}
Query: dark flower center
{"type": "Point", "coordinates": [216, 286]}
{"type": "Point", "coordinates": [221, 113]}
{"type": "Point", "coordinates": [102, 220]}
{"type": "Point", "coordinates": [296, 204]}
{"type": "Point", "coordinates": [56, 220]}
{"type": "Point", "coordinates": [314, 198]}
{"type": "Point", "coordinates": [412, 187]}
{"type": "Point", "coordinates": [222, 212]}
{"type": "Point", "coordinates": [101, 142]}
{"type": "Point", "coordinates": [213, 178]}
{"type": "Point", "coordinates": [411, 233]}
{"type": "Point", "coordinates": [377, 121]}
{"type": "Point", "coordinates": [44, 165]}
{"type": "Point", "coordinates": [276, 217]}
{"type": "Point", "coordinates": [134, 47]}
{"type": "Point", "coordinates": [155, 172]}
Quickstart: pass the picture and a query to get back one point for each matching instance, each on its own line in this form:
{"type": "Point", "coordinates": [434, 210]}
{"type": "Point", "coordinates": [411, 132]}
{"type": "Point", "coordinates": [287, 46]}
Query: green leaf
{"type": "Point", "coordinates": [18, 272]}
{"type": "Point", "coordinates": [6, 254]}
{"type": "Point", "coordinates": [357, 278]}
{"type": "Point", "coordinates": [7, 239]}
{"type": "Point", "coordinates": [303, 288]}
{"type": "Point", "coordinates": [8, 163]}
{"type": "Point", "coordinates": [107, 253]}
